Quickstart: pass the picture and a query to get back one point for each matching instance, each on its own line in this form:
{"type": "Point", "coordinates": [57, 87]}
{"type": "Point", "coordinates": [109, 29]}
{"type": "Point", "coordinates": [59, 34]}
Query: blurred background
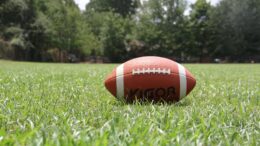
{"type": "Point", "coordinates": [104, 31]}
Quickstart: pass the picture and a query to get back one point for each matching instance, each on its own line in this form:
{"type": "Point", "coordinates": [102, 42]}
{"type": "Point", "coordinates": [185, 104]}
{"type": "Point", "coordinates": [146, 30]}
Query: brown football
{"type": "Point", "coordinates": [150, 79]}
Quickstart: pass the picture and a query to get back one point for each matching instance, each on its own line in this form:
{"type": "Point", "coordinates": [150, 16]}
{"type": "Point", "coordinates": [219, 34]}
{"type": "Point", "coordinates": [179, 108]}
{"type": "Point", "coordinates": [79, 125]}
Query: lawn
{"type": "Point", "coordinates": [67, 104]}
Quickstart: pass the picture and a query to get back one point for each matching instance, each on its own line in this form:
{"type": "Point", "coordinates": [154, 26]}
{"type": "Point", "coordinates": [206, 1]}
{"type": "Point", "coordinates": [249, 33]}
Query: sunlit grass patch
{"type": "Point", "coordinates": [67, 104]}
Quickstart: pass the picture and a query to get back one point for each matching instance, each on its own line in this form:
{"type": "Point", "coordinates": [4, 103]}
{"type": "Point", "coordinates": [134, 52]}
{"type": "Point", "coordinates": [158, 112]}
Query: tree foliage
{"type": "Point", "coordinates": [201, 29]}
{"type": "Point", "coordinates": [122, 7]}
{"type": "Point", "coordinates": [237, 27]}
{"type": "Point", "coordinates": [42, 30]}
{"type": "Point", "coordinates": [159, 25]}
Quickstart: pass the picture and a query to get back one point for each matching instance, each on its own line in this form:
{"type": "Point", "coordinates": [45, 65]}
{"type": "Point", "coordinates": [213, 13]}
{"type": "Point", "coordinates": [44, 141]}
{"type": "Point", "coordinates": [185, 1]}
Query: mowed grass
{"type": "Point", "coordinates": [67, 104]}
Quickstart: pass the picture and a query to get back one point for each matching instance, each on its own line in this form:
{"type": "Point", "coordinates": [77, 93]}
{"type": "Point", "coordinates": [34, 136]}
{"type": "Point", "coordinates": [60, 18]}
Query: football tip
{"type": "Point", "coordinates": [191, 83]}
{"type": "Point", "coordinates": [110, 83]}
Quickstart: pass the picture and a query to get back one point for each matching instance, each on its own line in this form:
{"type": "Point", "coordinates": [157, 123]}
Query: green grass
{"type": "Point", "coordinates": [67, 104]}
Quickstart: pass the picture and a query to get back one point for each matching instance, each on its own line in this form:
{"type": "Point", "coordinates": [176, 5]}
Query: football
{"type": "Point", "coordinates": [150, 79]}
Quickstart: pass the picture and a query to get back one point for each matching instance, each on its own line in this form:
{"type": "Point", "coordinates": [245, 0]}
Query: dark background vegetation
{"type": "Point", "coordinates": [117, 30]}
